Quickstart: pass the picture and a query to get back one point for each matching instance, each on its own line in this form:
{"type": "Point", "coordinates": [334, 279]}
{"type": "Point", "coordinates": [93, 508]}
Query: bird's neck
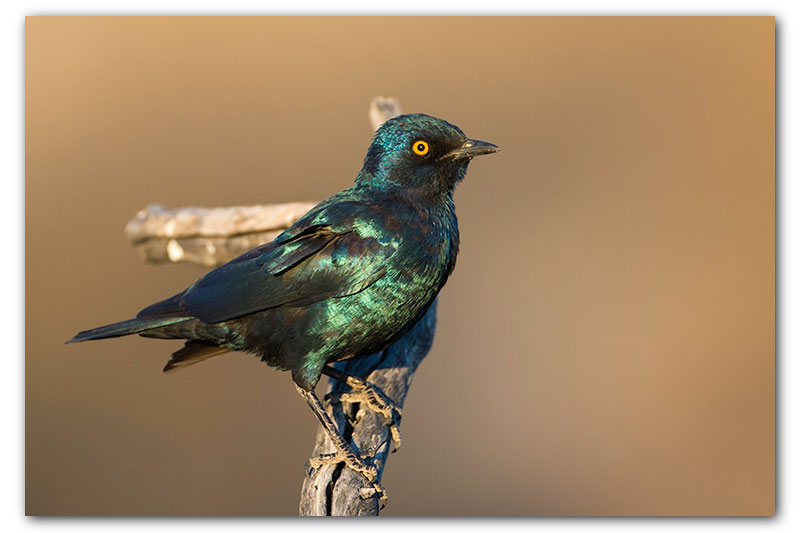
{"type": "Point", "coordinates": [425, 199]}
{"type": "Point", "coordinates": [434, 184]}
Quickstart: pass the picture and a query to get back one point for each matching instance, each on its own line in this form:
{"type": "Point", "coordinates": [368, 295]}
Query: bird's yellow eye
{"type": "Point", "coordinates": [420, 147]}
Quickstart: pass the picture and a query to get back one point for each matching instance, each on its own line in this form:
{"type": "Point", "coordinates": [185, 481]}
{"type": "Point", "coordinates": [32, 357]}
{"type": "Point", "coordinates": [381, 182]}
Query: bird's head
{"type": "Point", "coordinates": [419, 152]}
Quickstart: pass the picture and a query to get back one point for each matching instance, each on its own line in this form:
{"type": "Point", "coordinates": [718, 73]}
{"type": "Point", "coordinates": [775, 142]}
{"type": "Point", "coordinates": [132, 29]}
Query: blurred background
{"type": "Point", "coordinates": [604, 347]}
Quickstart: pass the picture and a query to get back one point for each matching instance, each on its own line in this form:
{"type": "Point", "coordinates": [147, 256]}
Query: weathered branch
{"type": "Point", "coordinates": [208, 237]}
{"type": "Point", "coordinates": [211, 237]}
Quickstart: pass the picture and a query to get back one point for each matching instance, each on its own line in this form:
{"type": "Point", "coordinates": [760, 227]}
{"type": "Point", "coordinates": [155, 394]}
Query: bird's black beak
{"type": "Point", "coordinates": [470, 149]}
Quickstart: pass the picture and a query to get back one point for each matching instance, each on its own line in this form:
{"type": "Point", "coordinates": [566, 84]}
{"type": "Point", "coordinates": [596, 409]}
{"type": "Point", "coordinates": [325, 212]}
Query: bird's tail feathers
{"type": "Point", "coordinates": [126, 327]}
{"type": "Point", "coordinates": [193, 352]}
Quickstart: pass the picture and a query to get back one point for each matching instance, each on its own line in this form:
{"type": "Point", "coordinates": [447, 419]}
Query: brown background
{"type": "Point", "coordinates": [606, 345]}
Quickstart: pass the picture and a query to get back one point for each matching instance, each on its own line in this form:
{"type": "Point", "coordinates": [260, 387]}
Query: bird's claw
{"type": "Point", "coordinates": [369, 396]}
{"type": "Point", "coordinates": [357, 464]}
{"type": "Point", "coordinates": [370, 492]}
{"type": "Point", "coordinates": [323, 459]}
{"type": "Point", "coordinates": [352, 461]}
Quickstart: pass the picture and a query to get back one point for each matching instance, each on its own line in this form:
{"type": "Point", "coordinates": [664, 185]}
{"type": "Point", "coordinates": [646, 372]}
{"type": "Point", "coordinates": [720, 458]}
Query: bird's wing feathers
{"type": "Point", "coordinates": [306, 264]}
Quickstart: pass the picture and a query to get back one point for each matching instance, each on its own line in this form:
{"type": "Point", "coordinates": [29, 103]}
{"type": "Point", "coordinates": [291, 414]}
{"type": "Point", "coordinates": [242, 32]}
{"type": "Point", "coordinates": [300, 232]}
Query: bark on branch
{"type": "Point", "coordinates": [208, 237]}
{"type": "Point", "coordinates": [211, 237]}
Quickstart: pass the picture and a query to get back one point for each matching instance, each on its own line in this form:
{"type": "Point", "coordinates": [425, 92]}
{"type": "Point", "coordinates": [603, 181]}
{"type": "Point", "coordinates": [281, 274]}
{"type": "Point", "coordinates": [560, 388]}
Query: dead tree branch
{"type": "Point", "coordinates": [208, 237]}
{"type": "Point", "coordinates": [211, 237]}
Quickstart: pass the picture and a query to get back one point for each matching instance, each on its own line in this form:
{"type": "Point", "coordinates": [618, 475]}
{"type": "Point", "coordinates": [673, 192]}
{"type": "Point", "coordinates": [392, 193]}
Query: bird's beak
{"type": "Point", "coordinates": [470, 149]}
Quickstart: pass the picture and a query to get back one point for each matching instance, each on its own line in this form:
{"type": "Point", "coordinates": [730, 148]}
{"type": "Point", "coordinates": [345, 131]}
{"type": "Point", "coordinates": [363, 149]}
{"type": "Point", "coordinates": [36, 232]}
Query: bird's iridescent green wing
{"type": "Point", "coordinates": [311, 262]}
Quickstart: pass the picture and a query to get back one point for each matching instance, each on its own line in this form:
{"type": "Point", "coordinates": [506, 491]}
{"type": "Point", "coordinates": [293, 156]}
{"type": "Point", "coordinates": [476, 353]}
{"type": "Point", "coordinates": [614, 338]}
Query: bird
{"type": "Point", "coordinates": [346, 280]}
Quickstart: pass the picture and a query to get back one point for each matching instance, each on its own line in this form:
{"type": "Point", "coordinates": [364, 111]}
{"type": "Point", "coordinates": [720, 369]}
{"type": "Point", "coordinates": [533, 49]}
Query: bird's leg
{"type": "Point", "coordinates": [344, 452]}
{"type": "Point", "coordinates": [370, 397]}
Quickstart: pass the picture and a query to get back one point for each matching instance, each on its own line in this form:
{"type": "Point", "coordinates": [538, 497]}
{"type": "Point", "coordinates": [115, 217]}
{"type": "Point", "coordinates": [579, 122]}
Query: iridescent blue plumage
{"type": "Point", "coordinates": [347, 279]}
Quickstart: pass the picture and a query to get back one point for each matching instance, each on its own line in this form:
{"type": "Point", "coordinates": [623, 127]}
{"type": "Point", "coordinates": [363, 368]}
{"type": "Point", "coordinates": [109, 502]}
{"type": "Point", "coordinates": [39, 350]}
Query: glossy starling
{"type": "Point", "coordinates": [346, 280]}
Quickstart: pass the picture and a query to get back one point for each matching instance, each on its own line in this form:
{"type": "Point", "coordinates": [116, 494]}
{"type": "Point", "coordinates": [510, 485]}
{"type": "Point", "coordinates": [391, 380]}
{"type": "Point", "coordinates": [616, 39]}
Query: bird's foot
{"type": "Point", "coordinates": [344, 452]}
{"type": "Point", "coordinates": [375, 490]}
{"type": "Point", "coordinates": [374, 400]}
{"type": "Point", "coordinates": [357, 464]}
